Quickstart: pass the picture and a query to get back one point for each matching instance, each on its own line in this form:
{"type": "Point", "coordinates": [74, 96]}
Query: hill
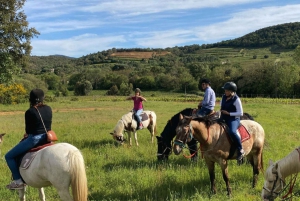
{"type": "Point", "coordinates": [255, 61]}
{"type": "Point", "coordinates": [286, 36]}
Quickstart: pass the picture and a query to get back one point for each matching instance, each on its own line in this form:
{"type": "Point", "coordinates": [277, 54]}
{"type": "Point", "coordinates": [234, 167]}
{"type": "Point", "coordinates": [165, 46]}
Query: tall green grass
{"type": "Point", "coordinates": [120, 172]}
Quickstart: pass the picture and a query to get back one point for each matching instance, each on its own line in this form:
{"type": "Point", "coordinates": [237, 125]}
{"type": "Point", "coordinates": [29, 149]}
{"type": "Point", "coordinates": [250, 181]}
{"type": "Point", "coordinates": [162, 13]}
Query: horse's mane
{"type": "Point", "coordinates": [185, 112]}
{"type": "Point", "coordinates": [247, 115]}
{"type": "Point", "coordinates": [206, 120]}
{"type": "Point", "coordinates": [169, 129]}
{"type": "Point", "coordinates": [289, 164]}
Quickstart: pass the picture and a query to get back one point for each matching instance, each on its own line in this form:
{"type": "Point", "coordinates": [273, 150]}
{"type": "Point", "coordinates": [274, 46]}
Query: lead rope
{"type": "Point", "coordinates": [292, 183]}
{"type": "Point", "coordinates": [200, 147]}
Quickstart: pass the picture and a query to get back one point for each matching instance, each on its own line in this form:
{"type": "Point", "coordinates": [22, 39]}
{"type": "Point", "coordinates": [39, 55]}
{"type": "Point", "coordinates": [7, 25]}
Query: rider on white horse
{"type": "Point", "coordinates": [35, 134]}
{"type": "Point", "coordinates": [138, 106]}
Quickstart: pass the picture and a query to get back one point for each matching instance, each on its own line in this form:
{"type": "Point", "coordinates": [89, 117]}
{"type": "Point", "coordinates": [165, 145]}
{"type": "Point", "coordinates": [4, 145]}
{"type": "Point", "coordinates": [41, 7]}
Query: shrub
{"type": "Point", "coordinates": [83, 88]}
{"type": "Point", "coordinates": [13, 94]}
{"type": "Point", "coordinates": [113, 90]}
{"type": "Point", "coordinates": [254, 56]}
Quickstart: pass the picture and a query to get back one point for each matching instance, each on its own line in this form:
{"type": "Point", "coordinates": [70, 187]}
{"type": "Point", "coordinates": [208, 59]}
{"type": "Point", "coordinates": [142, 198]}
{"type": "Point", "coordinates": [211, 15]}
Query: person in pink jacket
{"type": "Point", "coordinates": [138, 106]}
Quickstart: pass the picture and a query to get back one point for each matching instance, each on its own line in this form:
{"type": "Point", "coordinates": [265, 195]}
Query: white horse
{"type": "Point", "coordinates": [129, 124]}
{"type": "Point", "coordinates": [59, 165]}
{"type": "Point", "coordinates": [276, 174]}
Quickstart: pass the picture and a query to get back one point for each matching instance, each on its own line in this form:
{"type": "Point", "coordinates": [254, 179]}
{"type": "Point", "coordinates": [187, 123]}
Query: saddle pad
{"type": "Point", "coordinates": [27, 159]}
{"type": "Point", "coordinates": [144, 116]}
{"type": "Point", "coordinates": [243, 133]}
{"type": "Point", "coordinates": [41, 147]}
{"type": "Point", "coordinates": [29, 156]}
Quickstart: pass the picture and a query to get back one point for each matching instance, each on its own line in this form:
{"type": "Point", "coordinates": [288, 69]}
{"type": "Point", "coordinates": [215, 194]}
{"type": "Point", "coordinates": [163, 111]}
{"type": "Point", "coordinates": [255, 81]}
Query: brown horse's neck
{"type": "Point", "coordinates": [289, 164]}
{"type": "Point", "coordinates": [201, 133]}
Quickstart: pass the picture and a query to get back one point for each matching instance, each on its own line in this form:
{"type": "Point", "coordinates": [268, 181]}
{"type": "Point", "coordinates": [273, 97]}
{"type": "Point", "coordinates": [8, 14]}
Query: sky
{"type": "Point", "coordinates": [77, 28]}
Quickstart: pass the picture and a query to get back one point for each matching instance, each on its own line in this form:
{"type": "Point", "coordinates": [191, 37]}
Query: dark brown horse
{"type": "Point", "coordinates": [215, 145]}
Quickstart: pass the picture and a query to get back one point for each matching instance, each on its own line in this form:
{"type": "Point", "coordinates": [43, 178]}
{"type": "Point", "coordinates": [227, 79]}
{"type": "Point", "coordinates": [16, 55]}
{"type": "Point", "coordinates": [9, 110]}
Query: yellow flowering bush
{"type": "Point", "coordinates": [13, 94]}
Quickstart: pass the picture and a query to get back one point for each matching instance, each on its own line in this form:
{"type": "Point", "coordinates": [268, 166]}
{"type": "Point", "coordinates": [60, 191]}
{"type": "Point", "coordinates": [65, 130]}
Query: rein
{"type": "Point", "coordinates": [291, 184]}
{"type": "Point", "coordinates": [190, 133]}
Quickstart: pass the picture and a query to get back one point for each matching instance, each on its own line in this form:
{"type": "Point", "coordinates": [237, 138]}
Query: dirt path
{"type": "Point", "coordinates": [55, 110]}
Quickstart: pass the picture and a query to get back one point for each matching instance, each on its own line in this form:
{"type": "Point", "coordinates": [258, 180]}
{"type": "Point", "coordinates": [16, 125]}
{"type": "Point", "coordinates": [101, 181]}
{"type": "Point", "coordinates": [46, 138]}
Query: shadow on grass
{"type": "Point", "coordinates": [95, 144]}
{"type": "Point", "coordinates": [168, 190]}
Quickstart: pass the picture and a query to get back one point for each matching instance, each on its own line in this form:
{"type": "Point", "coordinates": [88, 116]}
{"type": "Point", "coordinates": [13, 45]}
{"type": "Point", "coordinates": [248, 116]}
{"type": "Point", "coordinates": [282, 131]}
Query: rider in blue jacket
{"type": "Point", "coordinates": [231, 111]}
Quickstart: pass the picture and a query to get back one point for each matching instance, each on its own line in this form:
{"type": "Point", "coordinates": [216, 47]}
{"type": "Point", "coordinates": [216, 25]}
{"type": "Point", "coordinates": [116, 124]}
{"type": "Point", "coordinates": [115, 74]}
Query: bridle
{"type": "Point", "coordinates": [283, 185]}
{"type": "Point", "coordinates": [188, 133]}
{"type": "Point", "coordinates": [272, 190]}
{"type": "Point", "coordinates": [163, 152]}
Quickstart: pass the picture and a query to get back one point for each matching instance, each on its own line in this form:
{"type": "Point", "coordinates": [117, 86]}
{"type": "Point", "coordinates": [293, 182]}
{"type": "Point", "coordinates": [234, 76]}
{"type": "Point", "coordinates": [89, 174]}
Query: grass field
{"type": "Point", "coordinates": [132, 173]}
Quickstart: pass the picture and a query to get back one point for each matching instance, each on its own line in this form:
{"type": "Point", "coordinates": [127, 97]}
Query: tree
{"type": "Point", "coordinates": [83, 88]}
{"type": "Point", "coordinates": [15, 37]}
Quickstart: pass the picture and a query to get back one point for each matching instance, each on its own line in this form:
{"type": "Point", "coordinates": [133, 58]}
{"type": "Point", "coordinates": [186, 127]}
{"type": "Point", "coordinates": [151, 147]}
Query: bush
{"type": "Point", "coordinates": [13, 94]}
{"type": "Point", "coordinates": [83, 88]}
{"type": "Point", "coordinates": [254, 56]}
{"type": "Point", "coordinates": [266, 56]}
{"type": "Point", "coordinates": [113, 90]}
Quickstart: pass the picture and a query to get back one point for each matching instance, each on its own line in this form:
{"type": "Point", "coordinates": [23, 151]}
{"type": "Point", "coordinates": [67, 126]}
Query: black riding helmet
{"type": "Point", "coordinates": [36, 96]}
{"type": "Point", "coordinates": [231, 86]}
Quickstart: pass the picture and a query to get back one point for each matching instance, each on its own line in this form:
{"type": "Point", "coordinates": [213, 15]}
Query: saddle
{"type": "Point", "coordinates": [25, 160]}
{"type": "Point", "coordinates": [242, 133]}
{"type": "Point", "coordinates": [144, 116]}
{"type": "Point", "coordinates": [213, 115]}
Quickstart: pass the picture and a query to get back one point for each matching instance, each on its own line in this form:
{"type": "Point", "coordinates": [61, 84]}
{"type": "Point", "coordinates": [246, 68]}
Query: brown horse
{"type": "Point", "coordinates": [215, 145]}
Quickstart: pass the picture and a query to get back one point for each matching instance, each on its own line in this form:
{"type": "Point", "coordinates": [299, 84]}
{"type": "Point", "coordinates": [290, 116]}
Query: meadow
{"type": "Point", "coordinates": [123, 173]}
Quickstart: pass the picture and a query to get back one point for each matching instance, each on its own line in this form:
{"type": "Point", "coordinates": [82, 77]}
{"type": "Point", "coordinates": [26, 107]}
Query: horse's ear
{"type": "Point", "coordinates": [111, 133]}
{"type": "Point", "coordinates": [270, 162]}
{"type": "Point", "coordinates": [274, 169]}
{"type": "Point", "coordinates": [2, 134]}
{"type": "Point", "coordinates": [180, 116]}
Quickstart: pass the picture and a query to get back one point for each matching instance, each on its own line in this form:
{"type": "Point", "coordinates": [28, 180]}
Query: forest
{"type": "Point", "coordinates": [264, 62]}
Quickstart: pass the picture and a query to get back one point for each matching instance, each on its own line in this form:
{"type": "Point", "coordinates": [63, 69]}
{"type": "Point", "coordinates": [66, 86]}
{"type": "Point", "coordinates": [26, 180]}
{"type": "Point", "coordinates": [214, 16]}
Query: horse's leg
{"type": "Point", "coordinates": [151, 129]}
{"type": "Point", "coordinates": [256, 162]}
{"type": "Point", "coordinates": [211, 170]}
{"type": "Point", "coordinates": [42, 194]}
{"type": "Point", "coordinates": [64, 194]}
{"type": "Point", "coordinates": [22, 194]}
{"type": "Point", "coordinates": [135, 137]}
{"type": "Point", "coordinates": [224, 167]}
{"type": "Point", "coordinates": [129, 137]}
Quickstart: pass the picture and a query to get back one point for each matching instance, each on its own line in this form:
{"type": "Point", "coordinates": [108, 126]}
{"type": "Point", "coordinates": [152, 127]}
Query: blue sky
{"type": "Point", "coordinates": [81, 27]}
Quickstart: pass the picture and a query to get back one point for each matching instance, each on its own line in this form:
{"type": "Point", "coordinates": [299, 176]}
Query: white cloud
{"type": "Point", "coordinates": [132, 22]}
{"type": "Point", "coordinates": [242, 23]}
{"type": "Point", "coordinates": [75, 46]}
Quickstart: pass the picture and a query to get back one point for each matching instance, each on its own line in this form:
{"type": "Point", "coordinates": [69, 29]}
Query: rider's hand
{"type": "Point", "coordinates": [225, 112]}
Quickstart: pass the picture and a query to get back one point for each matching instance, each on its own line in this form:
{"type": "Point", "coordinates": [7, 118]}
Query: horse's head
{"type": "Point", "coordinates": [273, 184]}
{"type": "Point", "coordinates": [118, 132]}
{"type": "Point", "coordinates": [118, 137]}
{"type": "Point", "coordinates": [163, 150]}
{"type": "Point", "coordinates": [1, 137]}
{"type": "Point", "coordinates": [183, 134]}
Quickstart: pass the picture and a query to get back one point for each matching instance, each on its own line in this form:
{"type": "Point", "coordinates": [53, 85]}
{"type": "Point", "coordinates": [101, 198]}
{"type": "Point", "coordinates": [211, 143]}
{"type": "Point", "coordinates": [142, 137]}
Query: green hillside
{"type": "Point", "coordinates": [245, 60]}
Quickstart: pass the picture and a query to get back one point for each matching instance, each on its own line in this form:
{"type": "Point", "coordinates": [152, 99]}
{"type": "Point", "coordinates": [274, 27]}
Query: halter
{"type": "Point", "coordinates": [284, 186]}
{"type": "Point", "coordinates": [188, 133]}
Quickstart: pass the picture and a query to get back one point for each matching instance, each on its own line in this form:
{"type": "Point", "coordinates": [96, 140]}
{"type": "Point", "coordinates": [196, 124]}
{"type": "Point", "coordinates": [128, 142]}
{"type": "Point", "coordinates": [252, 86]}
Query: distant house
{"type": "Point", "coordinates": [52, 70]}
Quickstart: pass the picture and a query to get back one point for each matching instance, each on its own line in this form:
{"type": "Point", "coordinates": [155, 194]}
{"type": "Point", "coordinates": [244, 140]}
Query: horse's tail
{"type": "Point", "coordinates": [262, 163]}
{"type": "Point", "coordinates": [154, 122]}
{"type": "Point", "coordinates": [78, 176]}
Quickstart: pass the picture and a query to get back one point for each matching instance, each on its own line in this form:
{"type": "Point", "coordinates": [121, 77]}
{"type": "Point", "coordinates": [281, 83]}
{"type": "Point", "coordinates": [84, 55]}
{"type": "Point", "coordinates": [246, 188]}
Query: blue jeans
{"type": "Point", "coordinates": [233, 125]}
{"type": "Point", "coordinates": [137, 114]}
{"type": "Point", "coordinates": [203, 112]}
{"type": "Point", "coordinates": [22, 148]}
